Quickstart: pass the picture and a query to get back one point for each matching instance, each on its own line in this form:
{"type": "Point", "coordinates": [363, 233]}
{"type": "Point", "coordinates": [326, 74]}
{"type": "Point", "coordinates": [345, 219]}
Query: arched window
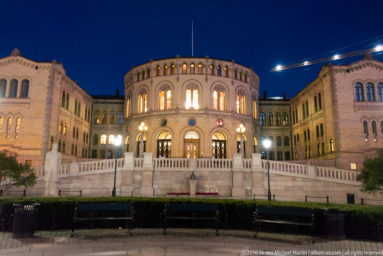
{"type": "Point", "coordinates": [18, 124]}
{"type": "Point", "coordinates": [103, 139]}
{"type": "Point", "coordinates": [165, 97]}
{"type": "Point", "coordinates": [104, 118]}
{"type": "Point", "coordinates": [9, 124]}
{"type": "Point", "coordinates": [95, 139]}
{"type": "Point", "coordinates": [173, 69]}
{"type": "Point", "coordinates": [211, 69]}
{"type": "Point", "coordinates": [226, 71]}
{"type": "Point", "coordinates": [374, 130]}
{"type": "Point", "coordinates": [218, 145]}
{"type": "Point", "coordinates": [138, 76]}
{"type": "Point", "coordinates": [380, 91]}
{"type": "Point", "coordinates": [241, 103]}
{"type": "Point", "coordinates": [262, 118]}
{"type": "Point", "coordinates": [269, 119]}
{"type": "Point", "coordinates": [285, 119]}
{"type": "Point", "coordinates": [219, 98]}
{"type": "Point", "coordinates": [279, 141]}
{"type": "Point", "coordinates": [218, 70]}
{"type": "Point", "coordinates": [184, 68]}
{"type": "Point", "coordinates": [272, 141]}
{"type": "Point", "coordinates": [3, 87]}
{"type": "Point", "coordinates": [370, 92]}
{"type": "Point", "coordinates": [315, 103]}
{"type": "Point", "coordinates": [63, 100]}
{"type": "Point", "coordinates": [191, 97]}
{"type": "Point", "coordinates": [246, 77]}
{"type": "Point", "coordinates": [200, 66]}
{"type": "Point", "coordinates": [359, 92]}
{"type": "Point", "coordinates": [286, 141]}
{"type": "Point", "coordinates": [320, 101]}
{"type": "Point", "coordinates": [158, 70]}
{"type": "Point", "coordinates": [278, 119]}
{"type": "Point", "coordinates": [365, 128]}
{"type": "Point", "coordinates": [1, 123]}
{"type": "Point", "coordinates": [128, 106]}
{"type": "Point", "coordinates": [24, 88]}
{"type": "Point", "coordinates": [13, 90]}
{"type": "Point", "coordinates": [192, 68]}
{"type": "Point", "coordinates": [142, 102]}
{"type": "Point", "coordinates": [240, 75]}
{"type": "Point", "coordinates": [111, 139]}
{"type": "Point", "coordinates": [235, 74]}
{"type": "Point", "coordinates": [67, 101]}
{"type": "Point", "coordinates": [166, 70]}
{"type": "Point", "coordinates": [254, 102]}
{"type": "Point", "coordinates": [112, 117]}
{"type": "Point", "coordinates": [279, 156]}
{"type": "Point", "coordinates": [164, 143]}
{"type": "Point", "coordinates": [64, 128]}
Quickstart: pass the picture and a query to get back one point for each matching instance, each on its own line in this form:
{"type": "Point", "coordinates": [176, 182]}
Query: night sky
{"type": "Point", "coordinates": [99, 41]}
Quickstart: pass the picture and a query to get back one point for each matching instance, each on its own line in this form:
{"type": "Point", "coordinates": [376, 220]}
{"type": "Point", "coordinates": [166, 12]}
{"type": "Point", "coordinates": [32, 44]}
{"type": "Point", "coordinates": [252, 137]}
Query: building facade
{"type": "Point", "coordinates": [191, 107]}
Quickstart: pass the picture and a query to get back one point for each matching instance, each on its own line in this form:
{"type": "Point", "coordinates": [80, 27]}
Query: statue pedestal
{"type": "Point", "coordinates": [193, 188]}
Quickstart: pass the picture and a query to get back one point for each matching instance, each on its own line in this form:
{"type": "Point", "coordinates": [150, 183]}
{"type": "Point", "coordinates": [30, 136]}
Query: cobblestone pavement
{"type": "Point", "coordinates": [108, 242]}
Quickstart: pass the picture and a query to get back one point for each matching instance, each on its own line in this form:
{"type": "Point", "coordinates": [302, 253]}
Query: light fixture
{"type": "Point", "coordinates": [336, 57]}
{"type": "Point", "coordinates": [267, 143]}
{"type": "Point", "coordinates": [305, 63]}
{"type": "Point", "coordinates": [278, 67]}
{"type": "Point", "coordinates": [378, 48]}
{"type": "Point", "coordinates": [241, 128]}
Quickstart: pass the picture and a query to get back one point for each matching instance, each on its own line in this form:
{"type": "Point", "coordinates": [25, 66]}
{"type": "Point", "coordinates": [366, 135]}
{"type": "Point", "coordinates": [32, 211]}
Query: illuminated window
{"type": "Point", "coordinates": [380, 91]}
{"type": "Point", "coordinates": [61, 127]}
{"type": "Point", "coordinates": [166, 70]}
{"type": "Point", "coordinates": [142, 102]}
{"type": "Point", "coordinates": [165, 99]}
{"type": "Point", "coordinates": [103, 139]}
{"type": "Point", "coordinates": [285, 119]}
{"type": "Point", "coordinates": [241, 103]}
{"type": "Point", "coordinates": [192, 68]}
{"type": "Point", "coordinates": [128, 104]}
{"type": "Point", "coordinates": [64, 128]}
{"type": "Point", "coordinates": [3, 87]}
{"type": "Point", "coordinates": [219, 99]}
{"type": "Point", "coordinates": [254, 107]}
{"type": "Point", "coordinates": [211, 69]}
{"type": "Point", "coordinates": [370, 92]}
{"type": "Point", "coordinates": [97, 119]}
{"type": "Point", "coordinates": [1, 123]}
{"type": "Point", "coordinates": [158, 70]}
{"type": "Point", "coordinates": [173, 69]}
{"type": "Point", "coordinates": [191, 98]}
{"type": "Point", "coordinates": [200, 68]}
{"type": "Point", "coordinates": [24, 88]}
{"type": "Point", "coordinates": [226, 71]}
{"type": "Point", "coordinates": [13, 90]}
{"type": "Point", "coordinates": [332, 146]}
{"type": "Point", "coordinates": [9, 124]}
{"type": "Point", "coordinates": [184, 68]}
{"type": "Point", "coordinates": [353, 166]}
{"type": "Point", "coordinates": [359, 92]}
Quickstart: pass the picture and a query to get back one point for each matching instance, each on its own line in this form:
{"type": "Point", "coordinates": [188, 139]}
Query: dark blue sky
{"type": "Point", "coordinates": [99, 41]}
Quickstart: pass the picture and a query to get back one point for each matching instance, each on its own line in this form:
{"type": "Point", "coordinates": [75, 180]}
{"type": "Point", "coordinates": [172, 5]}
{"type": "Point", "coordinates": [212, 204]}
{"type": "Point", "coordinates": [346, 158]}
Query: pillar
{"type": "Point", "coordinates": [238, 189]}
{"type": "Point", "coordinates": [147, 175]}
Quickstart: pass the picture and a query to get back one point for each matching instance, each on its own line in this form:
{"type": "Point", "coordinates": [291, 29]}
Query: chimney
{"type": "Point", "coordinates": [117, 92]}
{"type": "Point", "coordinates": [265, 95]}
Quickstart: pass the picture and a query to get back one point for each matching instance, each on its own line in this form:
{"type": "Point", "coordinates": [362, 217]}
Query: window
{"type": "Point", "coordinates": [285, 120]}
{"type": "Point", "coordinates": [262, 118]}
{"type": "Point", "coordinates": [3, 88]}
{"type": "Point", "coordinates": [308, 134]}
{"type": "Point", "coordinates": [148, 73]}
{"type": "Point", "coordinates": [95, 139]}
{"type": "Point", "coordinates": [97, 119]}
{"type": "Point", "coordinates": [322, 148]}
{"type": "Point", "coordinates": [278, 119]}
{"type": "Point", "coordinates": [9, 124]}
{"type": "Point", "coordinates": [218, 70]}
{"type": "Point", "coordinates": [304, 135]}
{"type": "Point", "coordinates": [75, 106]}
{"type": "Point", "coordinates": [64, 129]}
{"type": "Point", "coordinates": [219, 99]}
{"type": "Point", "coordinates": [103, 139]}
{"type": "Point", "coordinates": [317, 127]}
{"type": "Point", "coordinates": [269, 119]}
{"type": "Point", "coordinates": [262, 140]}
{"type": "Point", "coordinates": [321, 130]}
{"type": "Point", "coordinates": [128, 108]}
{"type": "Point", "coordinates": [235, 74]}
{"type": "Point", "coordinates": [279, 156]}
{"type": "Point", "coordinates": [240, 75]}
{"type": "Point", "coordinates": [18, 124]}
{"type": "Point", "coordinates": [184, 68]}
{"type": "Point", "coordinates": [370, 92]}
{"type": "Point", "coordinates": [307, 109]}
{"type": "Point", "coordinates": [287, 141]}
{"type": "Point", "coordinates": [303, 111]}
{"type": "Point", "coordinates": [279, 141]}
{"type": "Point", "coordinates": [13, 90]}
{"type": "Point", "coordinates": [165, 98]}
{"type": "Point", "coordinates": [119, 117]}
{"type": "Point", "coordinates": [211, 69]}
{"type": "Point", "coordinates": [287, 155]}
{"type": "Point", "coordinates": [191, 98]}
{"type": "Point", "coordinates": [380, 91]}
{"type": "Point", "coordinates": [104, 117]}
{"type": "Point", "coordinates": [138, 76]}
{"type": "Point", "coordinates": [332, 146]}
{"type": "Point", "coordinates": [365, 128]}
{"type": "Point", "coordinates": [315, 103]}
{"type": "Point", "coordinates": [192, 68]}
{"type": "Point", "coordinates": [112, 117]}
{"type": "Point", "coordinates": [158, 70]}
{"type": "Point", "coordinates": [142, 102]}
{"type": "Point", "coordinates": [67, 101]}
{"type": "Point", "coordinates": [77, 133]}
{"type": "Point", "coordinates": [1, 123]}
{"type": "Point", "coordinates": [246, 77]}
{"type": "Point", "coordinates": [271, 155]}
{"type": "Point", "coordinates": [293, 116]}
{"type": "Point", "coordinates": [24, 88]}
{"type": "Point", "coordinates": [226, 71]}
{"type": "Point", "coordinates": [200, 68]}
{"type": "Point", "coordinates": [320, 101]}
{"type": "Point", "coordinates": [111, 139]}
{"type": "Point", "coordinates": [374, 131]}
{"type": "Point", "coordinates": [166, 70]}
{"type": "Point", "coordinates": [359, 92]}
{"type": "Point", "coordinates": [173, 69]}
{"type": "Point", "coordinates": [254, 106]}
{"type": "Point", "coordinates": [241, 103]}
{"type": "Point", "coordinates": [61, 127]}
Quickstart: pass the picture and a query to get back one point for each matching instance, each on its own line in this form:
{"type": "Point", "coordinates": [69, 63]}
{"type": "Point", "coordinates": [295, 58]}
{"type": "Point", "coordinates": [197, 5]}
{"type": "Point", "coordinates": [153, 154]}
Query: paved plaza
{"type": "Point", "coordinates": [109, 242]}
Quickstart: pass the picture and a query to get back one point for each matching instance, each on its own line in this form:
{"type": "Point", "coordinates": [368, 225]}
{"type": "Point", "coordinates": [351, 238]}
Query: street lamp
{"type": "Point", "coordinates": [267, 144]}
{"type": "Point", "coordinates": [117, 142]}
{"type": "Point", "coordinates": [142, 127]}
{"type": "Point", "coordinates": [241, 129]}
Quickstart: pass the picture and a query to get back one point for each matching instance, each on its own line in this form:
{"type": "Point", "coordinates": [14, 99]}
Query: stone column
{"type": "Point", "coordinates": [311, 171]}
{"type": "Point", "coordinates": [127, 173]}
{"type": "Point", "coordinates": [258, 176]}
{"type": "Point", "coordinates": [147, 175]}
{"type": "Point", "coordinates": [238, 189]}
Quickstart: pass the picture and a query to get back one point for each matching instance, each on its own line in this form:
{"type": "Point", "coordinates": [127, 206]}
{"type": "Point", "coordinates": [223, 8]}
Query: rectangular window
{"type": "Point", "coordinates": [222, 101]}
{"type": "Point", "coordinates": [308, 134]}
{"type": "Point", "coordinates": [188, 99]}
{"type": "Point", "coordinates": [295, 140]}
{"type": "Point", "coordinates": [318, 149]}
{"type": "Point", "coordinates": [304, 136]}
{"type": "Point", "coordinates": [215, 100]}
{"type": "Point", "coordinates": [332, 147]}
{"type": "Point", "coordinates": [119, 117]}
{"type": "Point", "coordinates": [303, 111]}
{"type": "Point", "coordinates": [168, 99]}
{"type": "Point", "coordinates": [162, 100]}
{"type": "Point", "coordinates": [128, 107]}
{"type": "Point", "coordinates": [321, 130]}
{"type": "Point", "coordinates": [317, 131]}
{"type": "Point", "coordinates": [315, 103]}
{"type": "Point", "coordinates": [320, 101]}
{"type": "Point", "coordinates": [195, 99]}
{"type": "Point", "coordinates": [322, 148]}
{"type": "Point", "coordinates": [307, 109]}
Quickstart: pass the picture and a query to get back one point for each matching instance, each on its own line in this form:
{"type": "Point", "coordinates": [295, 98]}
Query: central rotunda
{"type": "Point", "coordinates": [191, 107]}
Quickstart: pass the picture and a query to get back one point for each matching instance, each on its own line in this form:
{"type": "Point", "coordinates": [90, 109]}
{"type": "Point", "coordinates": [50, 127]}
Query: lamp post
{"type": "Point", "coordinates": [240, 130]}
{"type": "Point", "coordinates": [142, 127]}
{"type": "Point", "coordinates": [267, 144]}
{"type": "Point", "coordinates": [117, 143]}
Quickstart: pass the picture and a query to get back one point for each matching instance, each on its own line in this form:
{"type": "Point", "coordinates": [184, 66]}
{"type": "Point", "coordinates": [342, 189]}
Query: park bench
{"type": "Point", "coordinates": [284, 216]}
{"type": "Point", "coordinates": [190, 211]}
{"type": "Point", "coordinates": [103, 211]}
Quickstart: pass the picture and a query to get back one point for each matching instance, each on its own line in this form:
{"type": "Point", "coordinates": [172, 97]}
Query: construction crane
{"type": "Point", "coordinates": [305, 63]}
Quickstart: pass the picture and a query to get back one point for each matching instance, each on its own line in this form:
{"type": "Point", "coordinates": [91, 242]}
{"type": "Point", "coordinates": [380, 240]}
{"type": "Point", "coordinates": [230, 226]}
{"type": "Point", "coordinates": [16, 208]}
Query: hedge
{"type": "Point", "coordinates": [361, 221]}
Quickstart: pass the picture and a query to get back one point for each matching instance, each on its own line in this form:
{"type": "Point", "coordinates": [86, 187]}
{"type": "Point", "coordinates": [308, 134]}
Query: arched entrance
{"type": "Point", "coordinates": [164, 144]}
{"type": "Point", "coordinates": [218, 145]}
{"type": "Point", "coordinates": [138, 139]}
{"type": "Point", "coordinates": [191, 142]}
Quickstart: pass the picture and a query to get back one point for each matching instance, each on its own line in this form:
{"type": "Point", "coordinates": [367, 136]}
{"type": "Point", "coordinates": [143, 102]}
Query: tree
{"type": "Point", "coordinates": [16, 174]}
{"type": "Point", "coordinates": [372, 173]}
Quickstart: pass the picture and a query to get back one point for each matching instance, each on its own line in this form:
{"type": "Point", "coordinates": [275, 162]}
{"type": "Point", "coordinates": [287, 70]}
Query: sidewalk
{"type": "Point", "coordinates": [108, 242]}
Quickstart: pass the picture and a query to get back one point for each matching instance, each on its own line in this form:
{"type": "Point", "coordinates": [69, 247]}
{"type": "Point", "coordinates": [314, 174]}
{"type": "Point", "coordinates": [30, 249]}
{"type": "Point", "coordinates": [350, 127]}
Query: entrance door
{"type": "Point", "coordinates": [191, 148]}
